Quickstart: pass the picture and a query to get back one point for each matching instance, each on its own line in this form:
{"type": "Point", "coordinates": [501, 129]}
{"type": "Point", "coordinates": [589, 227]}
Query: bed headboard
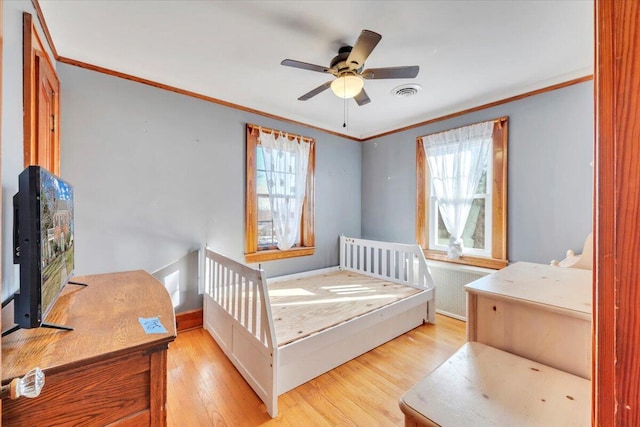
{"type": "Point", "coordinates": [396, 262]}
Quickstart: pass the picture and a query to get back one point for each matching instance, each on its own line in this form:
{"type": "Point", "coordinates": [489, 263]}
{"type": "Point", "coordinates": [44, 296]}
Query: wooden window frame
{"type": "Point", "coordinates": [498, 257]}
{"type": "Point", "coordinates": [307, 233]}
{"type": "Point", "coordinates": [36, 66]}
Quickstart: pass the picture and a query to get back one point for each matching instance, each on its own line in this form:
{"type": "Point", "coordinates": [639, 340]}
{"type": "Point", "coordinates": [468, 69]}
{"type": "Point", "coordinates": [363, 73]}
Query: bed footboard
{"type": "Point", "coordinates": [395, 262]}
{"type": "Point", "coordinates": [237, 314]}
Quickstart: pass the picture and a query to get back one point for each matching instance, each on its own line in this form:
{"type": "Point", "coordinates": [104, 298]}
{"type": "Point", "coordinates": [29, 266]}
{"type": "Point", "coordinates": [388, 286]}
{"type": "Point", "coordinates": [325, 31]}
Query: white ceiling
{"type": "Point", "coordinates": [470, 52]}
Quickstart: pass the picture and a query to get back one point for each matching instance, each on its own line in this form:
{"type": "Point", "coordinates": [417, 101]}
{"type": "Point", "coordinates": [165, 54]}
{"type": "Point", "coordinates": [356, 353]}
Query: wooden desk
{"type": "Point", "coordinates": [107, 370]}
{"type": "Point", "coordinates": [536, 311]}
{"type": "Point", "coordinates": [483, 386]}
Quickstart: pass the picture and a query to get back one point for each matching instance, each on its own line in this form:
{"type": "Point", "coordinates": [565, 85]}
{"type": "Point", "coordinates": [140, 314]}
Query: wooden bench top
{"type": "Point", "coordinates": [483, 386]}
{"type": "Point", "coordinates": [567, 290]}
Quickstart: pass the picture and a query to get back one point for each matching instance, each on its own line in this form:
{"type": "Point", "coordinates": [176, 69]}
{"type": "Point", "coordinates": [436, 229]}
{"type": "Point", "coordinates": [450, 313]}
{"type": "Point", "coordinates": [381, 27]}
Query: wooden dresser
{"type": "Point", "coordinates": [108, 370]}
{"type": "Point", "coordinates": [536, 311]}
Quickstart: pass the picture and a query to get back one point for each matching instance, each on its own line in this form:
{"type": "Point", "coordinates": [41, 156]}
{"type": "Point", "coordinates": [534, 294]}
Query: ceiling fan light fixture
{"type": "Point", "coordinates": [347, 86]}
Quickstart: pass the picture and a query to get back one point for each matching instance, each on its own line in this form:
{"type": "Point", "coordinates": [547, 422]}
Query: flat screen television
{"type": "Point", "coordinates": [43, 244]}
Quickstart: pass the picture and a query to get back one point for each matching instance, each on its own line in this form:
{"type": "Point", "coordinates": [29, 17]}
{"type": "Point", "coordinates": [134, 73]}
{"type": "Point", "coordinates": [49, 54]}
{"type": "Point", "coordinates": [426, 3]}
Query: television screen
{"type": "Point", "coordinates": [43, 243]}
{"type": "Point", "coordinates": [56, 237]}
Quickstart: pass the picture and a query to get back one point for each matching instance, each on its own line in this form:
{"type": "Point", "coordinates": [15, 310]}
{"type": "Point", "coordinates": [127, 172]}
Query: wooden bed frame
{"type": "Point", "coordinates": [238, 316]}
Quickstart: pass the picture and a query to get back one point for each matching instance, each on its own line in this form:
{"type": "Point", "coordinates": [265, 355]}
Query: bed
{"type": "Point", "coordinates": [288, 330]}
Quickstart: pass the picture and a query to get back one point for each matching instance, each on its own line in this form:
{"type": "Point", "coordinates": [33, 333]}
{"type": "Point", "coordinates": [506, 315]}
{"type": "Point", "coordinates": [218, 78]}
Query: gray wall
{"type": "Point", "coordinates": [157, 174]}
{"type": "Point", "coordinates": [12, 130]}
{"type": "Point", "coordinates": [550, 181]}
{"type": "Point", "coordinates": [180, 278]}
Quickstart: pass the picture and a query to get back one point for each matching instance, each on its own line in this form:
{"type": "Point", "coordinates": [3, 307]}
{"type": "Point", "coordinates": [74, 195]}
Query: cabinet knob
{"type": "Point", "coordinates": [28, 386]}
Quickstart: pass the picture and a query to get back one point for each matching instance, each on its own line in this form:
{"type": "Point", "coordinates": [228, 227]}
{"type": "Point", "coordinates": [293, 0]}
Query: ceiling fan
{"type": "Point", "coordinates": [347, 68]}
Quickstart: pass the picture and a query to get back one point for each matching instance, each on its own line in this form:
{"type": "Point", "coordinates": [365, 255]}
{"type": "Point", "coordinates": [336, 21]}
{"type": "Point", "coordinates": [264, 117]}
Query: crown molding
{"type": "Point", "coordinates": [81, 64]}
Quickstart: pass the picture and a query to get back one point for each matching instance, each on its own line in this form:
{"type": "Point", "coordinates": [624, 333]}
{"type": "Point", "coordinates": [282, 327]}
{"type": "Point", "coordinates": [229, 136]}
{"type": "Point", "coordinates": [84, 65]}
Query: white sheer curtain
{"type": "Point", "coordinates": [286, 161]}
{"type": "Point", "coordinates": [456, 161]}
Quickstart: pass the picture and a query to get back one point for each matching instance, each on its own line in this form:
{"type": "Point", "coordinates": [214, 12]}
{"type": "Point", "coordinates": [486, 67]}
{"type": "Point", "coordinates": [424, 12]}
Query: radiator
{"type": "Point", "coordinates": [451, 299]}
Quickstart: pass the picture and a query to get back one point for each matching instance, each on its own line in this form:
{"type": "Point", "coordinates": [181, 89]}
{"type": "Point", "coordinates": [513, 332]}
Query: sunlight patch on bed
{"type": "Point", "coordinates": [291, 292]}
{"type": "Point", "coordinates": [341, 287]}
{"type": "Point", "coordinates": [355, 291]}
{"type": "Point", "coordinates": [335, 300]}
{"type": "Point", "coordinates": [348, 289]}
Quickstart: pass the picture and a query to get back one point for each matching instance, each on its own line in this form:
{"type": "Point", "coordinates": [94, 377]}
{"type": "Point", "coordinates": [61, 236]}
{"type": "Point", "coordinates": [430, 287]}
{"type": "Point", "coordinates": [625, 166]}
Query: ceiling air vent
{"type": "Point", "coordinates": [405, 91]}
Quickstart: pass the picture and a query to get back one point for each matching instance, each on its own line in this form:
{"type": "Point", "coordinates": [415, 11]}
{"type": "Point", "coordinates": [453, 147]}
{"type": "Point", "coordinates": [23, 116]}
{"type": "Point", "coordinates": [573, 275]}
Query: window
{"type": "Point", "coordinates": [477, 229]}
{"type": "Point", "coordinates": [273, 175]}
{"type": "Point", "coordinates": [484, 233]}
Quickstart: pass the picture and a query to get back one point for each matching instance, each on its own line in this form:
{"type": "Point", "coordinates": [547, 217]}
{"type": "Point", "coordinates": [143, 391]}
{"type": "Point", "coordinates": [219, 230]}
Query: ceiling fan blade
{"type": "Point", "coordinates": [362, 98]}
{"type": "Point", "coordinates": [315, 91]}
{"type": "Point", "coordinates": [305, 66]}
{"type": "Point", "coordinates": [391, 72]}
{"type": "Point", "coordinates": [362, 48]}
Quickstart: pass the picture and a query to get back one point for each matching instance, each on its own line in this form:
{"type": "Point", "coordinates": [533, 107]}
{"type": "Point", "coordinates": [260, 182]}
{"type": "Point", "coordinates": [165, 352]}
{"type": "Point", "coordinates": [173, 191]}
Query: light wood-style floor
{"type": "Point", "coordinates": [204, 389]}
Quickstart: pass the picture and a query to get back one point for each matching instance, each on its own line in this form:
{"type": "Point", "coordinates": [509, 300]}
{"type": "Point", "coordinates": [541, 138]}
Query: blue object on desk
{"type": "Point", "coordinates": [152, 325]}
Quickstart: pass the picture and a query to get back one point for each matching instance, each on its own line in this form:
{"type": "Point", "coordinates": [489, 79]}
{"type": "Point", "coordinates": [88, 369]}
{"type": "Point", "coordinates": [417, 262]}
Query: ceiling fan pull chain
{"type": "Point", "coordinates": [344, 112]}
{"type": "Point", "coordinates": [344, 106]}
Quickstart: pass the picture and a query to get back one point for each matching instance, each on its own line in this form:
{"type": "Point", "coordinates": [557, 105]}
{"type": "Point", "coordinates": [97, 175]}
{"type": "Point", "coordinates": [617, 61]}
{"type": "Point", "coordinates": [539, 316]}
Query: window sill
{"type": "Point", "coordinates": [493, 263]}
{"type": "Point", "coordinates": [275, 254]}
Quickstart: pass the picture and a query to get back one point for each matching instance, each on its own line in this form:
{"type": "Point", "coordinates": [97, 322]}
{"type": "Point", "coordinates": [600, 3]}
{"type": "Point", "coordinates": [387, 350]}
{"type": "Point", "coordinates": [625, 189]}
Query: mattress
{"type": "Point", "coordinates": [305, 306]}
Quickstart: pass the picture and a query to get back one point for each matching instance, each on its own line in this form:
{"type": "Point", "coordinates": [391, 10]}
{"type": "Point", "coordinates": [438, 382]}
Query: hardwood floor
{"type": "Point", "coordinates": [204, 388]}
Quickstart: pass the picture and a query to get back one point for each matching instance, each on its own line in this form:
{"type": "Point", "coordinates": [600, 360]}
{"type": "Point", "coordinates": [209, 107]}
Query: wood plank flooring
{"type": "Point", "coordinates": [204, 388]}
